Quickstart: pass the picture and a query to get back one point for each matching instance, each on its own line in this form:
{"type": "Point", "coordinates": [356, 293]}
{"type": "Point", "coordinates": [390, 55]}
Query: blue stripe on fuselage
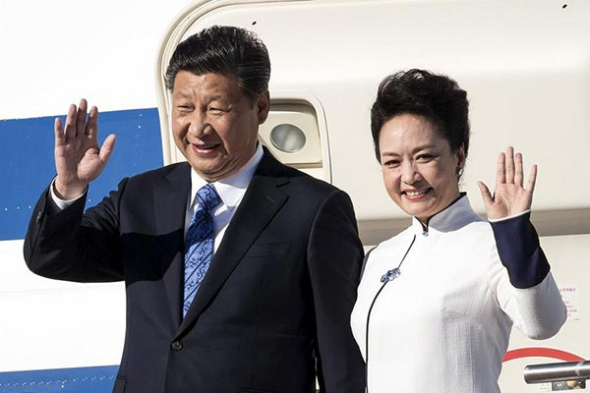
{"type": "Point", "coordinates": [67, 380]}
{"type": "Point", "coordinates": [27, 163]}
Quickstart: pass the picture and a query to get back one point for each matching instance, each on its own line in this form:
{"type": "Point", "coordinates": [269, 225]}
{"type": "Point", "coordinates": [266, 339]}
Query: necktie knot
{"type": "Point", "coordinates": [207, 197]}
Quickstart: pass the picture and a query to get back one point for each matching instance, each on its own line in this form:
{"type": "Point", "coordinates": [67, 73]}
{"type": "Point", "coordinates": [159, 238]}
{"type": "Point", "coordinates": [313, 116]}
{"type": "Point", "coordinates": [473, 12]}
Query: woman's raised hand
{"type": "Point", "coordinates": [510, 196]}
{"type": "Point", "coordinates": [78, 159]}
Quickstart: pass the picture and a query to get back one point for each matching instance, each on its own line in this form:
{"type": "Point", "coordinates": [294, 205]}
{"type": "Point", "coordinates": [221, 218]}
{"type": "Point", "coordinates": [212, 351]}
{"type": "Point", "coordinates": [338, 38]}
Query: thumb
{"type": "Point", "coordinates": [107, 148]}
{"type": "Point", "coordinates": [485, 194]}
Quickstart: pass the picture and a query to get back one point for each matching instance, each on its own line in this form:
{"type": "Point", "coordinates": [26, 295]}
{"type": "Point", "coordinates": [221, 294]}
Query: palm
{"type": "Point", "coordinates": [78, 159]}
{"type": "Point", "coordinates": [510, 196]}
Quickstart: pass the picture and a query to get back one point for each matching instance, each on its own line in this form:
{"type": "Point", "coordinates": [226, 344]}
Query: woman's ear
{"type": "Point", "coordinates": [460, 159]}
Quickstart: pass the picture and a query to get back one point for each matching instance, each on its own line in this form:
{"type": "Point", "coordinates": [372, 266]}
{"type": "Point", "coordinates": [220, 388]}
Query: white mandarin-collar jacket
{"type": "Point", "coordinates": [443, 325]}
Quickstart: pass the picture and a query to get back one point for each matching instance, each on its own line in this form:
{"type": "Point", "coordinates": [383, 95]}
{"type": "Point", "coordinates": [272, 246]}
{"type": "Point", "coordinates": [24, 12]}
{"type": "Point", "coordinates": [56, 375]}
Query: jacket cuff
{"type": "Point", "coordinates": [520, 252]}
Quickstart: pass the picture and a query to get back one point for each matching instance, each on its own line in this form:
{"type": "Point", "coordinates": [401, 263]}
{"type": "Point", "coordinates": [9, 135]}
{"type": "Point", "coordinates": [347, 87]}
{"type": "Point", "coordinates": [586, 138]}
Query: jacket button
{"type": "Point", "coordinates": [176, 345]}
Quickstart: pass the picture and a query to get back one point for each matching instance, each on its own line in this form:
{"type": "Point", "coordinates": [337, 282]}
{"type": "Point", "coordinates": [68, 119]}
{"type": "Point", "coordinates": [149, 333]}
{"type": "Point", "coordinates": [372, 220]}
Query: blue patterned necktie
{"type": "Point", "coordinates": [198, 248]}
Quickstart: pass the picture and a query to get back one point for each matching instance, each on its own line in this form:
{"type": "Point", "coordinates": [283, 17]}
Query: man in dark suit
{"type": "Point", "coordinates": [246, 286]}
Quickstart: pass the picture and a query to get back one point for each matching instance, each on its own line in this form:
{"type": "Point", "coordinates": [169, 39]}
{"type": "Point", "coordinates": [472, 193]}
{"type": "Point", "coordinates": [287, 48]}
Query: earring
{"type": "Point", "coordinates": [459, 172]}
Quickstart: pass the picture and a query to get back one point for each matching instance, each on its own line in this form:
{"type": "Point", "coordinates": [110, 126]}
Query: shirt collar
{"type": "Point", "coordinates": [231, 189]}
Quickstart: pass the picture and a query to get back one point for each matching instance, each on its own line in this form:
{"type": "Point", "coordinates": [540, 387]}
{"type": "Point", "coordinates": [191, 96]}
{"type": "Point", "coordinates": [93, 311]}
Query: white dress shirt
{"type": "Point", "coordinates": [443, 325]}
{"type": "Point", "coordinates": [231, 191]}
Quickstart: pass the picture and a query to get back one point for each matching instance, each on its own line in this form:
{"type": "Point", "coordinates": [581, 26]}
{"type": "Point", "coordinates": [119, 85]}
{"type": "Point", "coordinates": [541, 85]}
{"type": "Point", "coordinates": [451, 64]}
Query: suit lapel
{"type": "Point", "coordinates": [262, 201]}
{"type": "Point", "coordinates": [170, 203]}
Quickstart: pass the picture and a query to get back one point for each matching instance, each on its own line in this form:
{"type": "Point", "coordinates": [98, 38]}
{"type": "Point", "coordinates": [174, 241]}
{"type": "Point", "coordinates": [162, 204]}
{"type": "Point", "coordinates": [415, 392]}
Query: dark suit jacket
{"type": "Point", "coordinates": [274, 305]}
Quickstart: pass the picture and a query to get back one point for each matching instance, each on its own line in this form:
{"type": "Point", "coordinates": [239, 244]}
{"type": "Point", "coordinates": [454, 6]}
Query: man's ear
{"type": "Point", "coordinates": [263, 105]}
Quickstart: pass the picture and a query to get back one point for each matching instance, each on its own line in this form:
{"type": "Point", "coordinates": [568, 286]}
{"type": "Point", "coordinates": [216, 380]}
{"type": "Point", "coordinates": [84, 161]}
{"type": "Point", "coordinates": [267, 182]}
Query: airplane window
{"type": "Point", "coordinates": [287, 138]}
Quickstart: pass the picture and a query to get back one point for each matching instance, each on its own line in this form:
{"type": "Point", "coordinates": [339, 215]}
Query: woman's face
{"type": "Point", "coordinates": [419, 168]}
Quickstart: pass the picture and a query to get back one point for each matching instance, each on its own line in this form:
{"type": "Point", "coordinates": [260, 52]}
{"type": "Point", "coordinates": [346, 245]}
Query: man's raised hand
{"type": "Point", "coordinates": [78, 159]}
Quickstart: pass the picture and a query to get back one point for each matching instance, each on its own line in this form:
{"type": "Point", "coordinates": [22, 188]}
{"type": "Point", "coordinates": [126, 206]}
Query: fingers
{"type": "Point", "coordinates": [532, 179]}
{"type": "Point", "coordinates": [70, 127]}
{"type": "Point", "coordinates": [518, 174]}
{"type": "Point", "coordinates": [501, 169]}
{"type": "Point", "coordinates": [510, 168]}
{"type": "Point", "coordinates": [92, 126]}
{"type": "Point", "coordinates": [509, 165]}
{"type": "Point", "coordinates": [514, 164]}
{"type": "Point", "coordinates": [76, 123]}
{"type": "Point", "coordinates": [81, 116]}
{"type": "Point", "coordinates": [59, 132]}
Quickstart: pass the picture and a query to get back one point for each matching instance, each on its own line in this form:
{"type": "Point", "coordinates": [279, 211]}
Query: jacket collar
{"type": "Point", "coordinates": [458, 214]}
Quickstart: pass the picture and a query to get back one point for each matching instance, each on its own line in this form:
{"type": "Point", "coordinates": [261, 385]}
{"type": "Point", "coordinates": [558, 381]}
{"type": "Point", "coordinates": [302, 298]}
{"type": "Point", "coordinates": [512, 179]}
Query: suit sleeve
{"type": "Point", "coordinates": [335, 258]}
{"type": "Point", "coordinates": [526, 289]}
{"type": "Point", "coordinates": [70, 245]}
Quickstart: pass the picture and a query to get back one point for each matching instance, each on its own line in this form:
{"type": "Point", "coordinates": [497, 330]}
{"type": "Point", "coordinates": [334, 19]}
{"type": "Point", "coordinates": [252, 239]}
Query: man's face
{"type": "Point", "coordinates": [214, 124]}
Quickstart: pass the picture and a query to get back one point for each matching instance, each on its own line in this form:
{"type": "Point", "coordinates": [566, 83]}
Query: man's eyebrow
{"type": "Point", "coordinates": [181, 94]}
{"type": "Point", "coordinates": [215, 97]}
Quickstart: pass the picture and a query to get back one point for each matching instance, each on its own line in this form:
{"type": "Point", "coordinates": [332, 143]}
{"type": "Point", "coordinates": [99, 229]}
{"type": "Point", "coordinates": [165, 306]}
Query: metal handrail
{"type": "Point", "coordinates": [553, 372]}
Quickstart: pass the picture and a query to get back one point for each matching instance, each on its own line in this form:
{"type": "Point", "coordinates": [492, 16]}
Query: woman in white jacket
{"type": "Point", "coordinates": [436, 303]}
